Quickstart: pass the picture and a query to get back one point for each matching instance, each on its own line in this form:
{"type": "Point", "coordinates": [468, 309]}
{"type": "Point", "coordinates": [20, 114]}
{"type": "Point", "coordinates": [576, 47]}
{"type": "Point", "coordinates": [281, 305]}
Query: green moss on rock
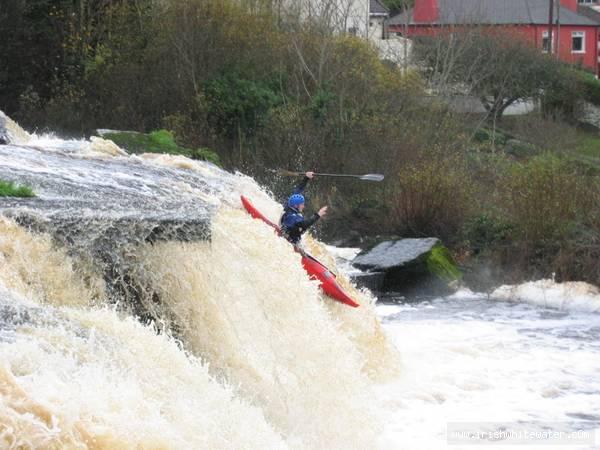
{"type": "Point", "coordinates": [10, 189]}
{"type": "Point", "coordinates": [440, 263]}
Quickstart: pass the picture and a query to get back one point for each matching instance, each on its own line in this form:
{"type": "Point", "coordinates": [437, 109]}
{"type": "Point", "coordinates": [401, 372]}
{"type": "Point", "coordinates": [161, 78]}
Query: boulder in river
{"type": "Point", "coordinates": [11, 132]}
{"type": "Point", "coordinates": [410, 266]}
{"type": "Point", "coordinates": [3, 131]}
{"type": "Point", "coordinates": [104, 206]}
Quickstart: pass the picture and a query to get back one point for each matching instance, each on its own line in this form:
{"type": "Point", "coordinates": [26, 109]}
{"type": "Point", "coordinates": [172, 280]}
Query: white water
{"type": "Point", "coordinates": [570, 296]}
{"type": "Point", "coordinates": [261, 359]}
{"type": "Point", "coordinates": [471, 359]}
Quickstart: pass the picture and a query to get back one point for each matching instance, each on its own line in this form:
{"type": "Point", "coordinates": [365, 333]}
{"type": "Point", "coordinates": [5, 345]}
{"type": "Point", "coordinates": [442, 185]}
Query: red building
{"type": "Point", "coordinates": [577, 34]}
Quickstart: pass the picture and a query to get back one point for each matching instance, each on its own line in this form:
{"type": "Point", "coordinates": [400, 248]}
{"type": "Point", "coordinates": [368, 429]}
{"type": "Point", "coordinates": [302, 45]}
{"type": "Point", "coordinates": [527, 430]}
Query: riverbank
{"type": "Point", "coordinates": [507, 216]}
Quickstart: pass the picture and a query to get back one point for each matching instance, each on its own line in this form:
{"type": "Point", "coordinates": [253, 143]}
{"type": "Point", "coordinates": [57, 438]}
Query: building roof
{"type": "Point", "coordinates": [590, 11]}
{"type": "Point", "coordinates": [496, 12]}
{"type": "Point", "coordinates": [376, 8]}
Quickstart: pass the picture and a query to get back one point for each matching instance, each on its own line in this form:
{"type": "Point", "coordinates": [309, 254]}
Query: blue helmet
{"type": "Point", "coordinates": [295, 200]}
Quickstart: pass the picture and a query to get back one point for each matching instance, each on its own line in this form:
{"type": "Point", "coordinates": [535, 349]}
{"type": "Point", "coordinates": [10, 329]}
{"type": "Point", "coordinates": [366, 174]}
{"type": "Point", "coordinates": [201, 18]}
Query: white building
{"type": "Point", "coordinates": [391, 46]}
{"type": "Point", "coordinates": [363, 18]}
{"type": "Point", "coordinates": [350, 16]}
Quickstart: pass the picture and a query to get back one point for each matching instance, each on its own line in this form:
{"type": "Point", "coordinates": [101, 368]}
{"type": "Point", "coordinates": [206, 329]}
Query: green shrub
{"type": "Point", "coordinates": [205, 154]}
{"type": "Point", "coordinates": [159, 141]}
{"type": "Point", "coordinates": [520, 149]}
{"type": "Point", "coordinates": [432, 197]}
{"type": "Point", "coordinates": [485, 135]}
{"type": "Point", "coordinates": [591, 87]}
{"type": "Point", "coordinates": [562, 97]}
{"type": "Point", "coordinates": [131, 141]}
{"type": "Point", "coordinates": [545, 197]}
{"type": "Point", "coordinates": [238, 105]}
{"type": "Point", "coordinates": [164, 141]}
{"type": "Point", "coordinates": [486, 231]}
{"type": "Point", "coordinates": [482, 135]}
{"type": "Point", "coordinates": [322, 102]}
{"type": "Point", "coordinates": [10, 189]}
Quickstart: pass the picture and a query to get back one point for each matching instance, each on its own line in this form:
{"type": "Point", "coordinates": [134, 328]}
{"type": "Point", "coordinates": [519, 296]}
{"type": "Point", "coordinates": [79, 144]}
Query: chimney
{"type": "Point", "coordinates": [569, 4]}
{"type": "Point", "coordinates": [428, 10]}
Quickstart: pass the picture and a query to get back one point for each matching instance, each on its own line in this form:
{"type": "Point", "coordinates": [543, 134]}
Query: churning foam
{"type": "Point", "coordinates": [81, 378]}
{"type": "Point", "coordinates": [475, 361]}
{"type": "Point", "coordinates": [263, 359]}
{"type": "Point", "coordinates": [571, 296]}
{"type": "Point", "coordinates": [380, 359]}
{"type": "Point", "coordinates": [33, 267]}
{"type": "Point", "coordinates": [245, 304]}
{"type": "Point", "coordinates": [87, 378]}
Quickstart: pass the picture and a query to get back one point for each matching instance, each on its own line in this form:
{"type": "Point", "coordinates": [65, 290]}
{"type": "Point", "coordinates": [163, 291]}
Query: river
{"type": "Point", "coordinates": [142, 307]}
{"type": "Point", "coordinates": [491, 365]}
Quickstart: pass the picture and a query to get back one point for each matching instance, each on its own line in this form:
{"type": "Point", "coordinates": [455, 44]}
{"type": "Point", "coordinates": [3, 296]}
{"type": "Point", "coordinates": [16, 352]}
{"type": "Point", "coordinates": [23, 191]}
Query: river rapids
{"type": "Point", "coordinates": [141, 307]}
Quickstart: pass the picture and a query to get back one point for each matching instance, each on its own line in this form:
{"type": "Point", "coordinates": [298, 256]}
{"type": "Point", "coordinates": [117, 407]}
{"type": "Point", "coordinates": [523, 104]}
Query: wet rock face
{"type": "Point", "coordinates": [401, 266]}
{"type": "Point", "coordinates": [86, 196]}
{"type": "Point", "coordinates": [101, 208]}
{"type": "Point", "coordinates": [394, 254]}
{"type": "Point", "coordinates": [3, 131]}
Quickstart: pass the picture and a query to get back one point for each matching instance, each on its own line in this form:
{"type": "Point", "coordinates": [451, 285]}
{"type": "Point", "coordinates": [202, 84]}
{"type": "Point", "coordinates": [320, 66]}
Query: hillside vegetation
{"type": "Point", "coordinates": [262, 89]}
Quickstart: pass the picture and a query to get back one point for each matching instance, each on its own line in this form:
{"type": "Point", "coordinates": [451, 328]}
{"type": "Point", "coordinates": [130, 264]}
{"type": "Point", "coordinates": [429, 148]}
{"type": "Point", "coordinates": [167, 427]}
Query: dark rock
{"type": "Point", "coordinates": [103, 209]}
{"type": "Point", "coordinates": [408, 266]}
{"type": "Point", "coordinates": [370, 280]}
{"type": "Point", "coordinates": [394, 254]}
{"type": "Point", "coordinates": [4, 138]}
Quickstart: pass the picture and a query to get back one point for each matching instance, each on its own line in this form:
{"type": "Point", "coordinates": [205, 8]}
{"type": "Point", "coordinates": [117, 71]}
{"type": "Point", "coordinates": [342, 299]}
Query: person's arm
{"type": "Point", "coordinates": [307, 222]}
{"type": "Point", "coordinates": [304, 224]}
{"type": "Point", "coordinates": [299, 189]}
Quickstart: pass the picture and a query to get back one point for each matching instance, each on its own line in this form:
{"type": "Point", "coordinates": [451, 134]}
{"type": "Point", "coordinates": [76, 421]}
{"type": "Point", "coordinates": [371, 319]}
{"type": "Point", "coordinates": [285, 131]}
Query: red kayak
{"type": "Point", "coordinates": [314, 268]}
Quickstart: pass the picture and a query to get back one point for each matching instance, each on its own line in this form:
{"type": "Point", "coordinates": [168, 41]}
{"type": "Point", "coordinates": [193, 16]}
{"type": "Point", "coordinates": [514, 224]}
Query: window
{"type": "Point", "coordinates": [586, 2]}
{"type": "Point", "coordinates": [545, 43]}
{"type": "Point", "coordinates": [578, 42]}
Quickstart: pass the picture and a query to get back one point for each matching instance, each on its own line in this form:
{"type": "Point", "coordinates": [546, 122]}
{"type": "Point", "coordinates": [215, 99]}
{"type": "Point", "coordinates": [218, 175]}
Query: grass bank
{"type": "Point", "coordinates": [10, 189]}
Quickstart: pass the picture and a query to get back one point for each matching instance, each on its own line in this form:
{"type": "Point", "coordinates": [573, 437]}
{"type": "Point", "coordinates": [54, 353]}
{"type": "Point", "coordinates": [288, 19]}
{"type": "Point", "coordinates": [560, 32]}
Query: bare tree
{"type": "Point", "coordinates": [312, 24]}
{"type": "Point", "coordinates": [493, 65]}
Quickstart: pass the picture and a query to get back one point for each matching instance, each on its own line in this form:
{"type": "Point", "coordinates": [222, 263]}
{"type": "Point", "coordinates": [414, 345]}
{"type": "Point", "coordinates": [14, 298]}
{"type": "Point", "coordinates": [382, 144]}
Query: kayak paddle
{"type": "Point", "coordinates": [367, 177]}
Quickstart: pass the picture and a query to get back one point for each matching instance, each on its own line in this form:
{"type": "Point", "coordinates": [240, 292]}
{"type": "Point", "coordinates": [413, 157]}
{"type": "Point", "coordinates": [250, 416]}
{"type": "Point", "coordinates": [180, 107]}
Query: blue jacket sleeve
{"type": "Point", "coordinates": [299, 189]}
{"type": "Point", "coordinates": [293, 221]}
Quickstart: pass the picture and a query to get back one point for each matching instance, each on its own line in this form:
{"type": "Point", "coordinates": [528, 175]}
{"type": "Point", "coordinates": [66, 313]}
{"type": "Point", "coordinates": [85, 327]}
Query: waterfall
{"type": "Point", "coordinates": [141, 306]}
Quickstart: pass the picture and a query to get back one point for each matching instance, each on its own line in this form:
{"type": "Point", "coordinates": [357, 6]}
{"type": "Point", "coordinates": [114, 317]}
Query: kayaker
{"type": "Point", "coordinates": [293, 223]}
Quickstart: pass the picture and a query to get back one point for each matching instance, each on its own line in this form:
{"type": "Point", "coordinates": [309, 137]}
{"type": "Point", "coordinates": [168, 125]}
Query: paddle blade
{"type": "Point", "coordinates": [372, 177]}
